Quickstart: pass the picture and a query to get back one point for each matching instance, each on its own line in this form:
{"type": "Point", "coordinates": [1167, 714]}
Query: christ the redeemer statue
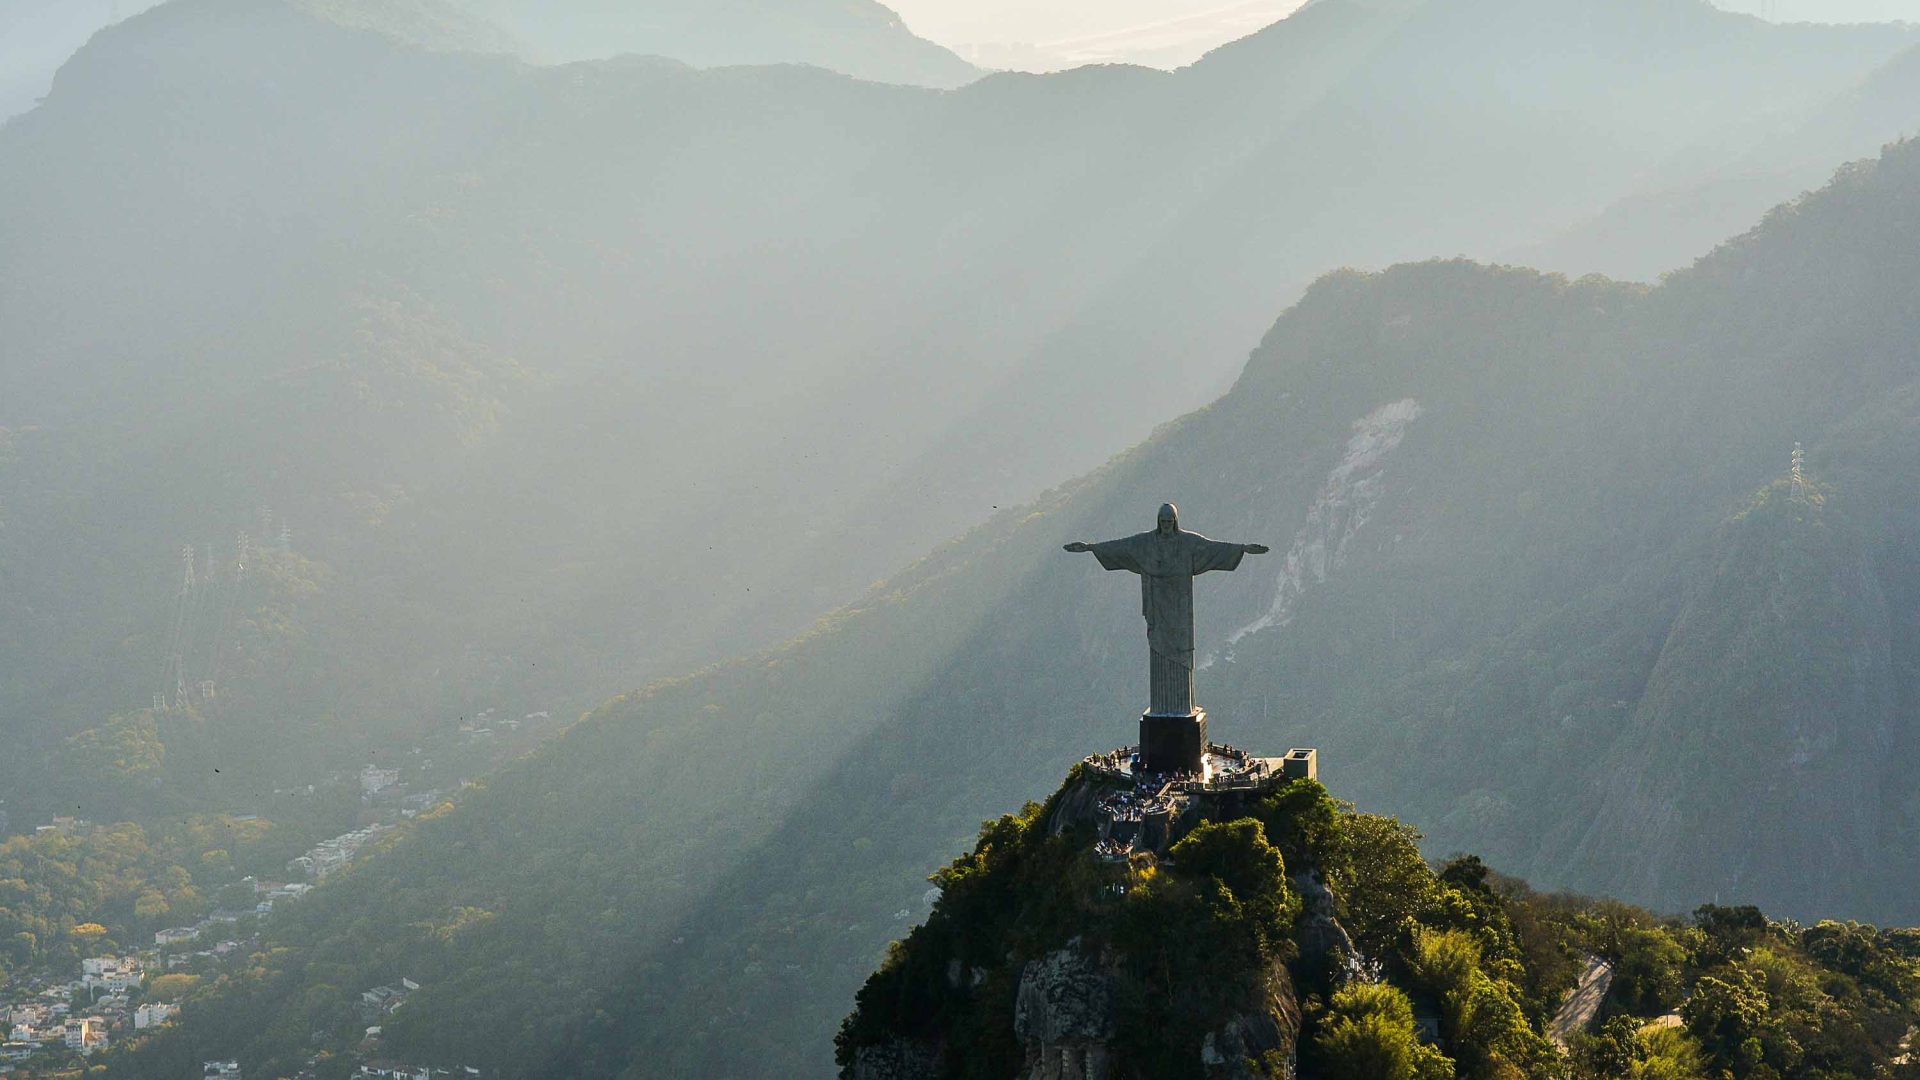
{"type": "Point", "coordinates": [1167, 560]}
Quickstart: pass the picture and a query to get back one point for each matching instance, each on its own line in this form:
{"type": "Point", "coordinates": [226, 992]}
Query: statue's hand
{"type": "Point", "coordinates": [1258, 549]}
{"type": "Point", "coordinates": [1077, 547]}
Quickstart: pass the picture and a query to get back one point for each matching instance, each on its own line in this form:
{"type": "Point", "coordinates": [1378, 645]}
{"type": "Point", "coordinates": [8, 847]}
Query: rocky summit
{"type": "Point", "coordinates": [1273, 932]}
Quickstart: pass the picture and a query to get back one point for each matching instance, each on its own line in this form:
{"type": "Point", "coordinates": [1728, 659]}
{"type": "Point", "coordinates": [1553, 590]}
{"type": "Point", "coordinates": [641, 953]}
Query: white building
{"type": "Point", "coordinates": [331, 855]}
{"type": "Point", "coordinates": [86, 1034]}
{"type": "Point", "coordinates": [27, 1033]}
{"type": "Point", "coordinates": [374, 781]}
{"type": "Point", "coordinates": [153, 1014]}
{"type": "Point", "coordinates": [114, 974]}
{"type": "Point", "coordinates": [178, 935]}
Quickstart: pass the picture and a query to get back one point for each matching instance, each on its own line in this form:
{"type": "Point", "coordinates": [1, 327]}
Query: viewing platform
{"type": "Point", "coordinates": [1134, 809]}
{"type": "Point", "coordinates": [1223, 768]}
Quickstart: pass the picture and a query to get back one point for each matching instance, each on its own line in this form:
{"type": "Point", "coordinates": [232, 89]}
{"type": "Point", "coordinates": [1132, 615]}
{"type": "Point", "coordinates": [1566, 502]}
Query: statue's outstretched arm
{"type": "Point", "coordinates": [1255, 549]}
{"type": "Point", "coordinates": [1077, 547]}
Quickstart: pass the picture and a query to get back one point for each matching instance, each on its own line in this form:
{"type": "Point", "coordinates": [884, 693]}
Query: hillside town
{"type": "Point", "coordinates": [57, 1019]}
{"type": "Point", "coordinates": [53, 1021]}
{"type": "Point", "coordinates": [53, 1024]}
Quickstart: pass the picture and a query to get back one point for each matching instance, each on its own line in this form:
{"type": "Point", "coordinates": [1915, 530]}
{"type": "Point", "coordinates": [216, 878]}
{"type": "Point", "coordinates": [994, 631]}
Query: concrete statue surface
{"type": "Point", "coordinates": [1167, 560]}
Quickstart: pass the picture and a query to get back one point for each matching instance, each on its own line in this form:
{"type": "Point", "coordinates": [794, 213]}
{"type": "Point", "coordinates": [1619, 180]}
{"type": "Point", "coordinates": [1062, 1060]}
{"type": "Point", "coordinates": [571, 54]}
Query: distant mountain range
{"type": "Point", "coordinates": [1543, 577]}
{"type": "Point", "coordinates": [565, 379]}
{"type": "Point", "coordinates": [859, 38]}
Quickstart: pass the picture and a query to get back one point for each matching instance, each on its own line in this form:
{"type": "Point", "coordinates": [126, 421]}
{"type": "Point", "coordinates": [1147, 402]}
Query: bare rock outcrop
{"type": "Point", "coordinates": [1064, 1012]}
{"type": "Point", "coordinates": [1321, 936]}
{"type": "Point", "coordinates": [1260, 1044]}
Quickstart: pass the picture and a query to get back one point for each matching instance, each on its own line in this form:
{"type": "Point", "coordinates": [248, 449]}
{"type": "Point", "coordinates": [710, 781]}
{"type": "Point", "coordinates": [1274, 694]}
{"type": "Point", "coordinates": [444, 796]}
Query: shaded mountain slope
{"type": "Point", "coordinates": [1783, 648]}
{"type": "Point", "coordinates": [1520, 586]}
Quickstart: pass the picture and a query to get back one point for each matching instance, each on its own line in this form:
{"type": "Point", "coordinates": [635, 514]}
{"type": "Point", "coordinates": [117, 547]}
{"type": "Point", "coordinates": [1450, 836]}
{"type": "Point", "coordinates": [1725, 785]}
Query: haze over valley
{"type": "Point", "coordinates": [385, 385]}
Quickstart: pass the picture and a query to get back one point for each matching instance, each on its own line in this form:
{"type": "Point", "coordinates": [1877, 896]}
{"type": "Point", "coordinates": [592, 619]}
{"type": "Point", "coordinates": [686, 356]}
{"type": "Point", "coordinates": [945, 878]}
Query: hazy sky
{"type": "Point", "coordinates": [1025, 20]}
{"type": "Point", "coordinates": [1173, 32]}
{"type": "Point", "coordinates": [1161, 32]}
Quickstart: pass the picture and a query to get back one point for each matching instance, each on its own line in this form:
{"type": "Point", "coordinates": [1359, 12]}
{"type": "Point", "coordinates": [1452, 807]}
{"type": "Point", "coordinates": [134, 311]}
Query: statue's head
{"type": "Point", "coordinates": [1169, 520]}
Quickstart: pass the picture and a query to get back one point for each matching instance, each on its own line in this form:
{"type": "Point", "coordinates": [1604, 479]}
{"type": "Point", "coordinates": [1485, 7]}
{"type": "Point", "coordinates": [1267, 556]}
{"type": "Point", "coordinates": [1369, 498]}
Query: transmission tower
{"type": "Point", "coordinates": [1799, 473]}
{"type": "Point", "coordinates": [183, 625]}
{"type": "Point", "coordinates": [222, 640]}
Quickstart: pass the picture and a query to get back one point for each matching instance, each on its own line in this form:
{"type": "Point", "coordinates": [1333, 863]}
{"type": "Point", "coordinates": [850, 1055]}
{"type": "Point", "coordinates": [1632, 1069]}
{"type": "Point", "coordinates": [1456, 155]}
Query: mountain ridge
{"type": "Point", "coordinates": [863, 38]}
{"type": "Point", "coordinates": [309, 268]}
{"type": "Point", "coordinates": [1442, 676]}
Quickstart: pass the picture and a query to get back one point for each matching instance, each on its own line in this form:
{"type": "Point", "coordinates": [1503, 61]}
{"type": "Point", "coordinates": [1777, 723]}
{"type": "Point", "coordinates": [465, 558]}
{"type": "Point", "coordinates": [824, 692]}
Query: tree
{"type": "Point", "coordinates": [1236, 854]}
{"type": "Point", "coordinates": [171, 988]}
{"type": "Point", "coordinates": [1729, 932]}
{"type": "Point", "coordinates": [1302, 820]}
{"type": "Point", "coordinates": [1648, 970]}
{"type": "Point", "coordinates": [22, 947]}
{"type": "Point", "coordinates": [1382, 880]}
{"type": "Point", "coordinates": [1609, 1053]}
{"type": "Point", "coordinates": [1369, 1035]}
{"type": "Point", "coordinates": [1483, 1019]}
{"type": "Point", "coordinates": [1447, 964]}
{"type": "Point", "coordinates": [1725, 1014]}
{"type": "Point", "coordinates": [1466, 872]}
{"type": "Point", "coordinates": [1668, 1054]}
{"type": "Point", "coordinates": [151, 906]}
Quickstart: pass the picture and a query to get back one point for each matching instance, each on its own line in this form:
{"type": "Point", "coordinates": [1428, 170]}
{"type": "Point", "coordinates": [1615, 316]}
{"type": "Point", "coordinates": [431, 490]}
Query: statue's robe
{"type": "Point", "coordinates": [1167, 565]}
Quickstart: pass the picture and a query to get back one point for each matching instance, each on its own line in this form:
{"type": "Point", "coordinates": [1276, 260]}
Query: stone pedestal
{"type": "Point", "coordinates": [1173, 744]}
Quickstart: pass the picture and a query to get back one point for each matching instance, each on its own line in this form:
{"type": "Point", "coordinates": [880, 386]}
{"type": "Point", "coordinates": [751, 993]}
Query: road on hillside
{"type": "Point", "coordinates": [1576, 1014]}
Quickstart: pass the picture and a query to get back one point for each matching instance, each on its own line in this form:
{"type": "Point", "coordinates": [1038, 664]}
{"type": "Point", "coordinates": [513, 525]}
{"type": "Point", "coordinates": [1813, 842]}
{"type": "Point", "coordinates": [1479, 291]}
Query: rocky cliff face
{"type": "Point", "coordinates": [1261, 1043]}
{"type": "Point", "coordinates": [1065, 1017]}
{"type": "Point", "coordinates": [1064, 1014]}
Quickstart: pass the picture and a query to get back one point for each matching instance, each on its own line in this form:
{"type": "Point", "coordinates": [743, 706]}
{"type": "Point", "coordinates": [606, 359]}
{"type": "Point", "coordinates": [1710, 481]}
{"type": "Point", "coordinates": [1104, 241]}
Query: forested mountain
{"type": "Point", "coordinates": [1279, 935]}
{"type": "Point", "coordinates": [1542, 579]}
{"type": "Point", "coordinates": [38, 36]}
{"type": "Point", "coordinates": [526, 386]}
{"type": "Point", "coordinates": [860, 38]}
